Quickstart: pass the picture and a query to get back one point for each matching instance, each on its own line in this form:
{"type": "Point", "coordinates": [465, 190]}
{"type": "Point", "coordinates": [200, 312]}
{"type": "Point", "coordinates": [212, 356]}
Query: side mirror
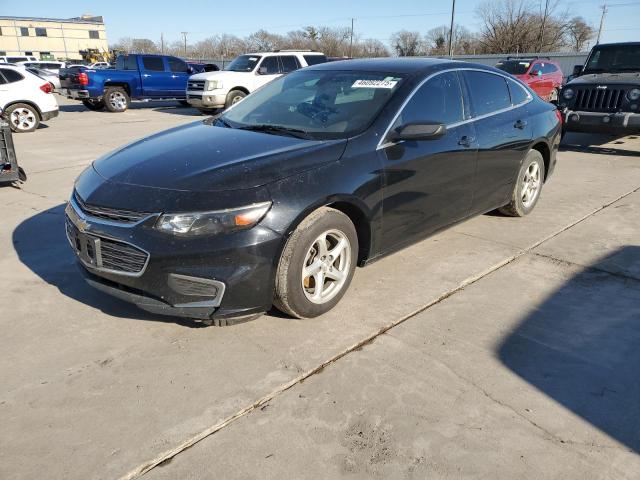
{"type": "Point", "coordinates": [418, 131]}
{"type": "Point", "coordinates": [262, 71]}
{"type": "Point", "coordinates": [577, 70]}
{"type": "Point", "coordinates": [190, 70]}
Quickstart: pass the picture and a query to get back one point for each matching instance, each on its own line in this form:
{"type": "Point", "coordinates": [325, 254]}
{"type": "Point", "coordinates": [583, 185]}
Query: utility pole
{"type": "Point", "coordinates": [604, 12]}
{"type": "Point", "coordinates": [453, 12]}
{"type": "Point", "coordinates": [351, 41]}
{"type": "Point", "coordinates": [184, 36]}
{"type": "Point", "coordinates": [162, 43]}
{"type": "Point", "coordinates": [544, 21]}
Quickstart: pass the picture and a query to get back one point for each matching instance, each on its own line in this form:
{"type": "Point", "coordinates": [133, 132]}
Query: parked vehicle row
{"type": "Point", "coordinates": [276, 200]}
{"type": "Point", "coordinates": [542, 74]}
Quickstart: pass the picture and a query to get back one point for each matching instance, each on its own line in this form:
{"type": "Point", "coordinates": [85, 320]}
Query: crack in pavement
{"type": "Point", "coordinates": [166, 456]}
{"type": "Point", "coordinates": [618, 275]}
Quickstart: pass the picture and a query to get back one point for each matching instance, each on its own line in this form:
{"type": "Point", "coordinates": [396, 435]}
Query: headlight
{"type": "Point", "coordinates": [210, 223]}
{"type": "Point", "coordinates": [214, 84]}
{"type": "Point", "coordinates": [634, 94]}
{"type": "Point", "coordinates": [568, 94]}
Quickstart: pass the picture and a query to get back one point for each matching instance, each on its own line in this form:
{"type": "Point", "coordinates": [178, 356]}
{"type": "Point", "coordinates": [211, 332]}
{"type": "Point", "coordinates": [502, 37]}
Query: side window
{"type": "Point", "coordinates": [153, 64]}
{"type": "Point", "coordinates": [11, 75]}
{"type": "Point", "coordinates": [537, 67]}
{"type": "Point", "coordinates": [488, 92]}
{"type": "Point", "coordinates": [2, 79]}
{"type": "Point", "coordinates": [438, 100]}
{"type": "Point", "coordinates": [289, 63]}
{"type": "Point", "coordinates": [518, 93]}
{"type": "Point", "coordinates": [549, 68]}
{"type": "Point", "coordinates": [177, 65]}
{"type": "Point", "coordinates": [269, 66]}
{"type": "Point", "coordinates": [314, 59]}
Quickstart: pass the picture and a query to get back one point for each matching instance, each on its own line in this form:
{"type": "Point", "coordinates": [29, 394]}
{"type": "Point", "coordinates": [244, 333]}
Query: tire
{"type": "Point", "coordinates": [531, 175]}
{"type": "Point", "coordinates": [233, 97]}
{"type": "Point", "coordinates": [95, 105]}
{"type": "Point", "coordinates": [298, 296]}
{"type": "Point", "coordinates": [184, 103]}
{"type": "Point", "coordinates": [208, 111]}
{"type": "Point", "coordinates": [22, 117]}
{"type": "Point", "coordinates": [116, 99]}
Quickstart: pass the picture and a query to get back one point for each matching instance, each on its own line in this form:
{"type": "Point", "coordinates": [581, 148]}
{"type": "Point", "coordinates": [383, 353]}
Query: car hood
{"type": "Point", "coordinates": [607, 78]}
{"type": "Point", "coordinates": [221, 75]}
{"type": "Point", "coordinates": [203, 157]}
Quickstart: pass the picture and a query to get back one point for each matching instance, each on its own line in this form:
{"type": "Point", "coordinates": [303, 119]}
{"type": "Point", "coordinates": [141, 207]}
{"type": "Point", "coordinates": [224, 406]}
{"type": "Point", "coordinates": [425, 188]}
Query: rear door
{"type": "Point", "coordinates": [179, 76]}
{"type": "Point", "coordinates": [503, 133]}
{"type": "Point", "coordinates": [12, 87]}
{"type": "Point", "coordinates": [155, 76]}
{"type": "Point", "coordinates": [289, 63]}
{"type": "Point", "coordinates": [429, 183]}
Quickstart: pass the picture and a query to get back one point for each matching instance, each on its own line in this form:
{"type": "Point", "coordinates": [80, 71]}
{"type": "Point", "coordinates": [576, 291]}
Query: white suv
{"type": "Point", "coordinates": [25, 99]}
{"type": "Point", "coordinates": [213, 90]}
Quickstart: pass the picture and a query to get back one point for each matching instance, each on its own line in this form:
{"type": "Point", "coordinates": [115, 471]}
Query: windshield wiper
{"type": "Point", "coordinates": [276, 129]}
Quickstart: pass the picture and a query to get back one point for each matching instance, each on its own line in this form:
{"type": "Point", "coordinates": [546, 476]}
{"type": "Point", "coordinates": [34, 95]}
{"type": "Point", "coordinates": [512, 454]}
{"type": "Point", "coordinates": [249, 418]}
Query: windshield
{"type": "Point", "coordinates": [319, 103]}
{"type": "Point", "coordinates": [514, 67]}
{"type": "Point", "coordinates": [614, 58]}
{"type": "Point", "coordinates": [243, 63]}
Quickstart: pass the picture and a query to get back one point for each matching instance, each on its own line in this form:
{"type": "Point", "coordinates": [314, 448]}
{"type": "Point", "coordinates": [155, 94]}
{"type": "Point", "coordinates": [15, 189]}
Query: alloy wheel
{"type": "Point", "coordinates": [326, 266]}
{"type": "Point", "coordinates": [118, 100]}
{"type": "Point", "coordinates": [530, 184]}
{"type": "Point", "coordinates": [23, 118]}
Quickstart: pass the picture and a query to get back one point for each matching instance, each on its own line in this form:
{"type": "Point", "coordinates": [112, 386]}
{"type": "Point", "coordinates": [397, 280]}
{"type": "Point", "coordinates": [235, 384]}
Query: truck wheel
{"type": "Point", "coordinates": [184, 103]}
{"type": "Point", "coordinates": [233, 97]}
{"type": "Point", "coordinates": [95, 105]}
{"type": "Point", "coordinates": [317, 264]}
{"type": "Point", "coordinates": [22, 117]}
{"type": "Point", "coordinates": [116, 99]}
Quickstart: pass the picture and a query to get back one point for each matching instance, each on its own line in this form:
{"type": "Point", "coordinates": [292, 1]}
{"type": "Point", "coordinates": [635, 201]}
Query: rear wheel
{"type": "Point", "coordinates": [95, 105]}
{"type": "Point", "coordinates": [116, 99]}
{"type": "Point", "coordinates": [526, 191]}
{"type": "Point", "coordinates": [233, 97]}
{"type": "Point", "coordinates": [317, 264]}
{"type": "Point", "coordinates": [22, 117]}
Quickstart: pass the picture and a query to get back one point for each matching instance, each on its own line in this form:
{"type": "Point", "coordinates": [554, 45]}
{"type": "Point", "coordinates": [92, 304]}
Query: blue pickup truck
{"type": "Point", "coordinates": [136, 77]}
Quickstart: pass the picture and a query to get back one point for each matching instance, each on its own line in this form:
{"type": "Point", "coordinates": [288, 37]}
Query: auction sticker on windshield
{"type": "Point", "coordinates": [374, 84]}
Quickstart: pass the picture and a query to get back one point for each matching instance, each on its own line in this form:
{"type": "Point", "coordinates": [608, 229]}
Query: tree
{"type": "Point", "coordinates": [437, 41]}
{"type": "Point", "coordinates": [407, 44]}
{"type": "Point", "coordinates": [579, 32]}
{"type": "Point", "coordinates": [370, 47]}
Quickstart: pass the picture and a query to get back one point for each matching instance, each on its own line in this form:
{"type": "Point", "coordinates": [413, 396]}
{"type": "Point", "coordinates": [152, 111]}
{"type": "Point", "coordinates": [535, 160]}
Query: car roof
{"type": "Point", "coordinates": [286, 52]}
{"type": "Point", "coordinates": [406, 65]}
{"type": "Point", "coordinates": [618, 44]}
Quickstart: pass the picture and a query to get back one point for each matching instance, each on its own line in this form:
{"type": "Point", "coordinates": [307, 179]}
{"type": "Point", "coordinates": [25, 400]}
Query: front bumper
{"type": "Point", "coordinates": [239, 266]}
{"type": "Point", "coordinates": [49, 115]}
{"type": "Point", "coordinates": [601, 122]}
{"type": "Point", "coordinates": [199, 99]}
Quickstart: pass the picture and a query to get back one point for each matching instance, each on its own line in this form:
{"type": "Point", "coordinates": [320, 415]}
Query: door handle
{"type": "Point", "coordinates": [520, 124]}
{"type": "Point", "coordinates": [146, 75]}
{"type": "Point", "coordinates": [466, 141]}
{"type": "Point", "coordinates": [174, 76]}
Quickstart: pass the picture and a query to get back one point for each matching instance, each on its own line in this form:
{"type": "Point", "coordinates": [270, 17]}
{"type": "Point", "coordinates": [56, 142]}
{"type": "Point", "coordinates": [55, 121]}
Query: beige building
{"type": "Point", "coordinates": [52, 38]}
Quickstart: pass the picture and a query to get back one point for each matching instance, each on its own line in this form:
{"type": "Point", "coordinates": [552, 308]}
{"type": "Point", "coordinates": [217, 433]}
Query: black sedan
{"type": "Point", "coordinates": [277, 200]}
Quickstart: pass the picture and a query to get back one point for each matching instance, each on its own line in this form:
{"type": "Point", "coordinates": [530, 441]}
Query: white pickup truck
{"type": "Point", "coordinates": [209, 91]}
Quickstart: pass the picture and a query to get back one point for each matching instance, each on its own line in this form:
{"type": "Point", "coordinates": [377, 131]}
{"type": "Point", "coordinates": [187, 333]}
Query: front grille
{"type": "Point", "coordinates": [599, 99]}
{"type": "Point", "coordinates": [104, 253]}
{"type": "Point", "coordinates": [105, 213]}
{"type": "Point", "coordinates": [195, 85]}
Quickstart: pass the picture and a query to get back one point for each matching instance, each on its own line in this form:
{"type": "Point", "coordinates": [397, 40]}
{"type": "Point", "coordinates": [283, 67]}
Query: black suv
{"type": "Point", "coordinates": [604, 95]}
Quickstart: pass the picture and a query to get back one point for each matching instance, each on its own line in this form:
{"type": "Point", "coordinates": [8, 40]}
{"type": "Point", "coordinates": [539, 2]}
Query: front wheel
{"type": "Point", "coordinates": [526, 191]}
{"type": "Point", "coordinates": [22, 117]}
{"type": "Point", "coordinates": [116, 99]}
{"type": "Point", "coordinates": [317, 264]}
{"type": "Point", "coordinates": [233, 97]}
{"type": "Point", "coordinates": [95, 105]}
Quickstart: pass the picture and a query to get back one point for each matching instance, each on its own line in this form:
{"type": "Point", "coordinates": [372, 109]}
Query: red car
{"type": "Point", "coordinates": [543, 75]}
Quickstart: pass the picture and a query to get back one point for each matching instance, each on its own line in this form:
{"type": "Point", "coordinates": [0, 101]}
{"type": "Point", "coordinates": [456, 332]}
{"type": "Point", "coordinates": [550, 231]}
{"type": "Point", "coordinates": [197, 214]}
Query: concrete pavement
{"type": "Point", "coordinates": [94, 388]}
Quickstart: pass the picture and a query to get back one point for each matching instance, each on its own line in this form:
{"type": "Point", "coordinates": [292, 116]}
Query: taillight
{"type": "Point", "coordinates": [559, 115]}
{"type": "Point", "coordinates": [46, 88]}
{"type": "Point", "coordinates": [83, 79]}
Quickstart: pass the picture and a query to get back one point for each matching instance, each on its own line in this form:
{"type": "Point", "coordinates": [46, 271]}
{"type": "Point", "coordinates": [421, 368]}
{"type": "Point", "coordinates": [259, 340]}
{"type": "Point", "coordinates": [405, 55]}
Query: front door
{"type": "Point", "coordinates": [179, 76]}
{"type": "Point", "coordinates": [269, 69]}
{"type": "Point", "coordinates": [156, 79]}
{"type": "Point", "coordinates": [429, 183]}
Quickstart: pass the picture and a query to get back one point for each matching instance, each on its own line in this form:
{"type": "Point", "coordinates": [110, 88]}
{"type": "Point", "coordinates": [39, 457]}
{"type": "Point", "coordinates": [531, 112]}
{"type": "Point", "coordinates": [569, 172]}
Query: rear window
{"type": "Point", "coordinates": [314, 59]}
{"type": "Point", "coordinates": [11, 75]}
{"type": "Point", "coordinates": [518, 93]}
{"type": "Point", "coordinates": [289, 63]}
{"type": "Point", "coordinates": [154, 64]}
{"type": "Point", "coordinates": [126, 62]}
{"type": "Point", "coordinates": [16, 59]}
{"type": "Point", "coordinates": [488, 92]}
{"type": "Point", "coordinates": [514, 67]}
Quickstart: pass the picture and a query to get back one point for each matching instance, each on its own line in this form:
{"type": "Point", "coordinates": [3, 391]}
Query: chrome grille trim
{"type": "Point", "coordinates": [195, 85]}
{"type": "Point", "coordinates": [115, 215]}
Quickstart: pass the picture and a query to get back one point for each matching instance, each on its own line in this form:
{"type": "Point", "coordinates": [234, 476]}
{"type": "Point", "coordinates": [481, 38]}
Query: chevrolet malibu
{"type": "Point", "coordinates": [278, 199]}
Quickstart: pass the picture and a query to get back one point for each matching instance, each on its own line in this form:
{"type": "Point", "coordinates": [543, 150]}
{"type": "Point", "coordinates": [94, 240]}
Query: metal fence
{"type": "Point", "coordinates": [565, 60]}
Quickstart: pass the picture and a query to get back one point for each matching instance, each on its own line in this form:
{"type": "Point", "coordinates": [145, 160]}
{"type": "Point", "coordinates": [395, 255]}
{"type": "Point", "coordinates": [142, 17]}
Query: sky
{"type": "Point", "coordinates": [373, 18]}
